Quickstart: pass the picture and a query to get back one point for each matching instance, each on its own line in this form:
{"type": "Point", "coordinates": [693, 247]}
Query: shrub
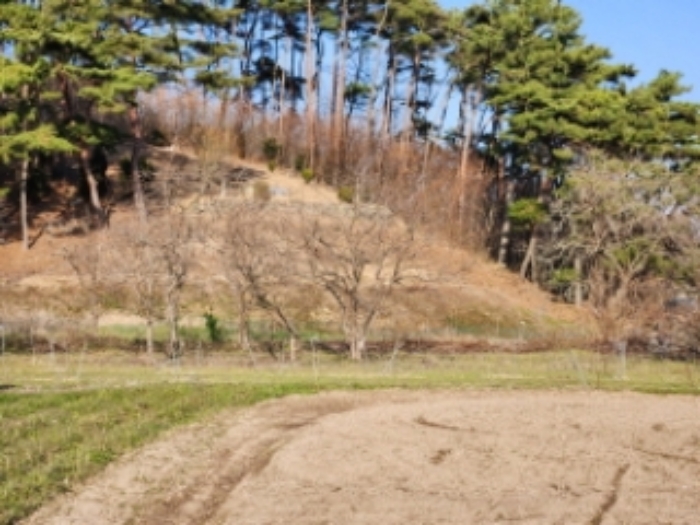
{"type": "Point", "coordinates": [307, 174]}
{"type": "Point", "coordinates": [346, 194]}
{"type": "Point", "coordinates": [214, 330]}
{"type": "Point", "coordinates": [271, 149]}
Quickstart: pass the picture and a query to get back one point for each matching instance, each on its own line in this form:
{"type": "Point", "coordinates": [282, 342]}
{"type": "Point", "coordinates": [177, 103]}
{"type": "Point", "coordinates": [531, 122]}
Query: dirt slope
{"type": "Point", "coordinates": [410, 457]}
{"type": "Point", "coordinates": [467, 280]}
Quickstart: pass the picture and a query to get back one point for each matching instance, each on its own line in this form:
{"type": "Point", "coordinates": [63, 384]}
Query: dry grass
{"type": "Point", "coordinates": [563, 368]}
{"type": "Point", "coordinates": [450, 288]}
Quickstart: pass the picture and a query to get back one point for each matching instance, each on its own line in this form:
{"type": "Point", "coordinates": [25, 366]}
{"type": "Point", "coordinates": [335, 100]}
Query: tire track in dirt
{"type": "Point", "coordinates": [246, 454]}
{"type": "Point", "coordinates": [183, 478]}
{"type": "Point", "coordinates": [611, 499]}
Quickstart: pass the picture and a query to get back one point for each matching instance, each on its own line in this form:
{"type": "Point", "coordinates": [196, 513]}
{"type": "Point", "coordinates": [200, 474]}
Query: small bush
{"type": "Point", "coordinates": [299, 163]}
{"type": "Point", "coordinates": [346, 194]}
{"type": "Point", "coordinates": [214, 330]}
{"type": "Point", "coordinates": [271, 149]}
{"type": "Point", "coordinates": [271, 165]}
{"type": "Point", "coordinates": [307, 174]}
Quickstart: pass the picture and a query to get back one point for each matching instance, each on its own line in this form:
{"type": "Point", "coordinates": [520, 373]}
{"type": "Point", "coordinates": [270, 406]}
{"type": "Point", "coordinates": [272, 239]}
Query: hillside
{"type": "Point", "coordinates": [453, 293]}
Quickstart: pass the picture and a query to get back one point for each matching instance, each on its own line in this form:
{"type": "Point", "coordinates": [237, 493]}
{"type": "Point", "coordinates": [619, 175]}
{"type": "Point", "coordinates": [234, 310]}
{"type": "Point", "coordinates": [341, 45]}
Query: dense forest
{"type": "Point", "coordinates": [497, 126]}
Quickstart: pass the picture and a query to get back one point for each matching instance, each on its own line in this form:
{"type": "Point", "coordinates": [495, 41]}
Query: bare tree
{"type": "Point", "coordinates": [172, 241]}
{"type": "Point", "coordinates": [87, 263]}
{"type": "Point", "coordinates": [256, 252]}
{"type": "Point", "coordinates": [140, 268]}
{"type": "Point", "coordinates": [210, 150]}
{"type": "Point", "coordinates": [358, 260]}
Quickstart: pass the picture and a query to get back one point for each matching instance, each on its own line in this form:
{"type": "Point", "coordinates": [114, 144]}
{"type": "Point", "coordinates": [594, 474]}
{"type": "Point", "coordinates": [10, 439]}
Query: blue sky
{"type": "Point", "coordinates": [650, 34]}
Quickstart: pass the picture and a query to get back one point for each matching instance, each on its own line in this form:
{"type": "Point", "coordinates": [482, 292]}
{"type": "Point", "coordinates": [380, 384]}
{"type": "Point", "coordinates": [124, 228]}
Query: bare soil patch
{"type": "Point", "coordinates": [412, 457]}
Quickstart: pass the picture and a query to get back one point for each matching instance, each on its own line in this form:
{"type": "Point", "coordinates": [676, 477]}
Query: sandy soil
{"type": "Point", "coordinates": [412, 458]}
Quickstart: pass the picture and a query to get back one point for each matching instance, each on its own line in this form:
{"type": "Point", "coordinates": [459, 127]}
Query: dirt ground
{"type": "Point", "coordinates": [412, 457]}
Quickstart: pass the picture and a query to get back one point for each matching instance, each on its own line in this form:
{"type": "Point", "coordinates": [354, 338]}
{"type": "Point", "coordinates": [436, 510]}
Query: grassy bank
{"type": "Point", "coordinates": [64, 417]}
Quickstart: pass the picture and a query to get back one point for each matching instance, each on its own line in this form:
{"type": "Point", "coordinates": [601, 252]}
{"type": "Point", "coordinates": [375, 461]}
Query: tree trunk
{"type": "Point", "coordinates": [464, 161]}
{"type": "Point", "coordinates": [468, 210]}
{"type": "Point", "coordinates": [388, 96]}
{"type": "Point", "coordinates": [24, 177]}
{"type": "Point", "coordinates": [620, 347]}
{"type": "Point", "coordinates": [243, 323]}
{"type": "Point", "coordinates": [354, 353]}
{"type": "Point", "coordinates": [618, 300]}
{"type": "Point", "coordinates": [224, 105]}
{"type": "Point", "coordinates": [93, 186]}
{"type": "Point", "coordinates": [387, 118]}
{"type": "Point", "coordinates": [310, 89]}
{"type": "Point", "coordinates": [293, 71]}
{"type": "Point", "coordinates": [506, 226]}
{"type": "Point", "coordinates": [293, 348]}
{"type": "Point", "coordinates": [173, 321]}
{"type": "Point", "coordinates": [372, 103]}
{"type": "Point", "coordinates": [23, 180]}
{"type": "Point", "coordinates": [149, 336]}
{"type": "Point", "coordinates": [339, 96]}
{"type": "Point", "coordinates": [318, 81]}
{"type": "Point", "coordinates": [422, 180]}
{"type": "Point", "coordinates": [279, 134]}
{"type": "Point", "coordinates": [137, 185]}
{"type": "Point", "coordinates": [411, 99]}
{"type": "Point", "coordinates": [530, 260]}
{"type": "Point", "coordinates": [242, 114]}
{"type": "Point", "coordinates": [444, 106]}
{"type": "Point", "coordinates": [371, 111]}
{"type": "Point", "coordinates": [358, 346]}
{"type": "Point", "coordinates": [356, 332]}
{"type": "Point", "coordinates": [578, 288]}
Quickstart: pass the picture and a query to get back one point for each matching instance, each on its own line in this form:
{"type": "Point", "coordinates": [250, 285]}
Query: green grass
{"type": "Point", "coordinates": [161, 332]}
{"type": "Point", "coordinates": [193, 334]}
{"type": "Point", "coordinates": [64, 417]}
{"type": "Point", "coordinates": [52, 440]}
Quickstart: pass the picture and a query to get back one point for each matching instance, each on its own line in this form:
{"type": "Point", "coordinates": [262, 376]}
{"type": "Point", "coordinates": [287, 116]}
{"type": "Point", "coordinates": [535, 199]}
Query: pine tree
{"type": "Point", "coordinates": [537, 72]}
{"type": "Point", "coordinates": [656, 126]}
{"type": "Point", "coordinates": [146, 44]}
{"type": "Point", "coordinates": [26, 98]}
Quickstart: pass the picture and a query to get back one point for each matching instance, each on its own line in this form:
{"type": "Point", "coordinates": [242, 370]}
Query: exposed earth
{"type": "Point", "coordinates": [409, 458]}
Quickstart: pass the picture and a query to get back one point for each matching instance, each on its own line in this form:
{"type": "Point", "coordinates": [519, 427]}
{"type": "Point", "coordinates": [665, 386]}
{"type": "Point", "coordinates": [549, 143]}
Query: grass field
{"type": "Point", "coordinates": [64, 417]}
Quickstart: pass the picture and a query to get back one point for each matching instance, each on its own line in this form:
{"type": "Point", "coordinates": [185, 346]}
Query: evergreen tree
{"type": "Point", "coordinates": [656, 126]}
{"type": "Point", "coordinates": [535, 71]}
{"type": "Point", "coordinates": [26, 97]}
